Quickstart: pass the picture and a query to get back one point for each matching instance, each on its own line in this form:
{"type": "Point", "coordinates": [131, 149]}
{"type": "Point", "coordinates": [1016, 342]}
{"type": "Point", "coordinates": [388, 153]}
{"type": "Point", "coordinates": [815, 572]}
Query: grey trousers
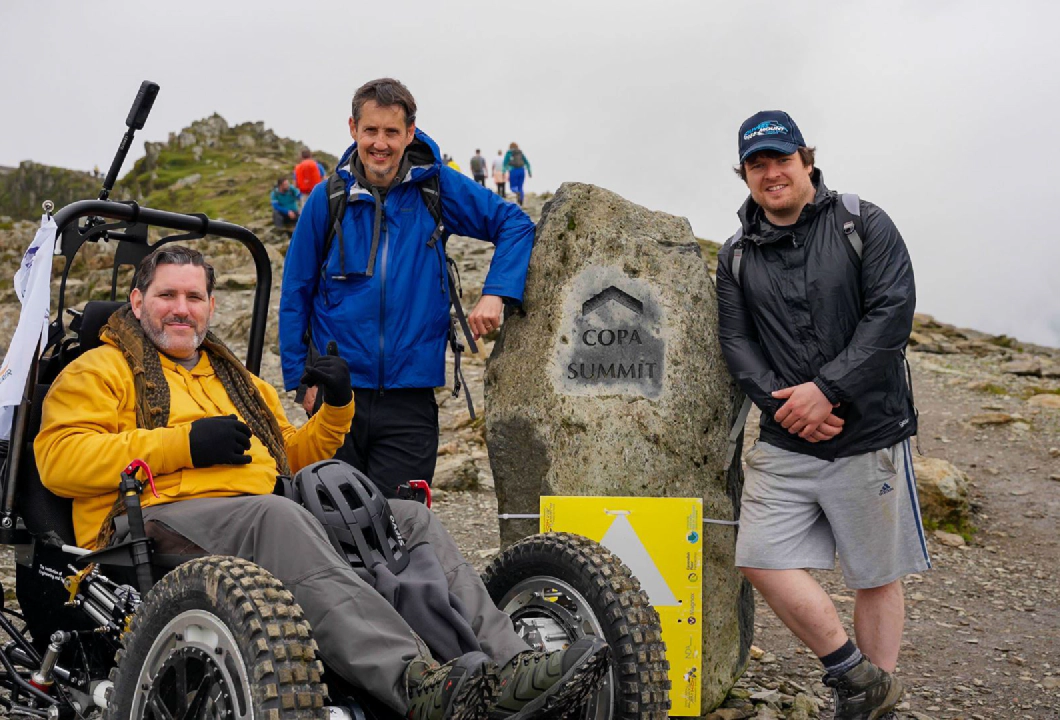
{"type": "Point", "coordinates": [360, 635]}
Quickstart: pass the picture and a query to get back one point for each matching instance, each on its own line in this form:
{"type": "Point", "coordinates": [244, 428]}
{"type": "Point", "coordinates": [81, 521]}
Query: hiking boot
{"type": "Point", "coordinates": [864, 693]}
{"type": "Point", "coordinates": [535, 683]}
{"type": "Point", "coordinates": [462, 689]}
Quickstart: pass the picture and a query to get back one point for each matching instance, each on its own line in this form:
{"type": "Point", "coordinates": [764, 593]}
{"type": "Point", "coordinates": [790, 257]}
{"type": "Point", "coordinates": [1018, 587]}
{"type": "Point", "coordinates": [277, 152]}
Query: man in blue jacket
{"type": "Point", "coordinates": [815, 306]}
{"type": "Point", "coordinates": [381, 292]}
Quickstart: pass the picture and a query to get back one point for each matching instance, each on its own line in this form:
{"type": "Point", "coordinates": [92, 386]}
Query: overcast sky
{"type": "Point", "coordinates": [942, 113]}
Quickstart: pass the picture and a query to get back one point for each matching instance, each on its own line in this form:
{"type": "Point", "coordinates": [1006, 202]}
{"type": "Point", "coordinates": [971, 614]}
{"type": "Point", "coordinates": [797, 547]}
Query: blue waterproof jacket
{"type": "Point", "coordinates": [391, 321]}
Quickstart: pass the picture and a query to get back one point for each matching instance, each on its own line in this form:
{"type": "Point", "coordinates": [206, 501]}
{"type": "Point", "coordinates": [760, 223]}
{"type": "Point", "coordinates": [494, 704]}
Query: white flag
{"type": "Point", "coordinates": [33, 287]}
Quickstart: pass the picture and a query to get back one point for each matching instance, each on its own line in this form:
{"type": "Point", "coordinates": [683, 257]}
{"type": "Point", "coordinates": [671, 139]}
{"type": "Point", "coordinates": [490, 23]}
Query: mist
{"type": "Point", "coordinates": [938, 112]}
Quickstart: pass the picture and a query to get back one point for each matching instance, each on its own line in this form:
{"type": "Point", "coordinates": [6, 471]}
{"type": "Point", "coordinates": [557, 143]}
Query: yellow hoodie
{"type": "Point", "coordinates": [88, 435]}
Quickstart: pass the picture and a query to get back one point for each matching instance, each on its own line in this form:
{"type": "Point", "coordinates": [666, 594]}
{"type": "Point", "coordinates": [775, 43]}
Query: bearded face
{"type": "Point", "coordinates": [175, 310]}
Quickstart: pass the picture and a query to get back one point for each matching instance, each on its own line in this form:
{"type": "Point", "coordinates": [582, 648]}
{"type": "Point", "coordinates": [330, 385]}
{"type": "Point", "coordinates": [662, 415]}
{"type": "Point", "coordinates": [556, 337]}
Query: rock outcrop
{"type": "Point", "coordinates": [23, 189]}
{"type": "Point", "coordinates": [943, 492]}
{"type": "Point", "coordinates": [613, 383]}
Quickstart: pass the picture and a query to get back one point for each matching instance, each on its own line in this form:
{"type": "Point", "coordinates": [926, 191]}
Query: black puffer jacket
{"type": "Point", "coordinates": [806, 309]}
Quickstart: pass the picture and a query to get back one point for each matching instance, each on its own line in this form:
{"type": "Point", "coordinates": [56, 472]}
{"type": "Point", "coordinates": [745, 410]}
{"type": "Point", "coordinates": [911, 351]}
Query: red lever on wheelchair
{"type": "Point", "coordinates": [132, 467]}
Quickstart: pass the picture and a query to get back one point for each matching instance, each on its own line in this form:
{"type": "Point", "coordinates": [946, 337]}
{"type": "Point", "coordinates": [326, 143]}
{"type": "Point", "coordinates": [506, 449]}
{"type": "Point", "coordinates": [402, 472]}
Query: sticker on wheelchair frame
{"type": "Point", "coordinates": [660, 540]}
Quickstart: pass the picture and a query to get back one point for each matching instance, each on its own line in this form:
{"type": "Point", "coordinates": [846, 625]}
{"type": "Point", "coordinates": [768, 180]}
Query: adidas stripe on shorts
{"type": "Point", "coordinates": [800, 512]}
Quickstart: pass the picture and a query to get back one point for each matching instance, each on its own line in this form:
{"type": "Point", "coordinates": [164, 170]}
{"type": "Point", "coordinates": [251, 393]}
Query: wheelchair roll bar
{"type": "Point", "coordinates": [70, 238]}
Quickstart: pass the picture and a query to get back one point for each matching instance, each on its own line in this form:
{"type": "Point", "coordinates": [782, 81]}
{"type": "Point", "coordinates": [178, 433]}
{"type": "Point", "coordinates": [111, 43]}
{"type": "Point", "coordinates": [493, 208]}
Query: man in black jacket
{"type": "Point", "coordinates": [815, 306]}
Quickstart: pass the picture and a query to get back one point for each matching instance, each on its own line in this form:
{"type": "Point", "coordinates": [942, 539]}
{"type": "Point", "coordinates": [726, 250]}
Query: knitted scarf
{"type": "Point", "coordinates": [152, 393]}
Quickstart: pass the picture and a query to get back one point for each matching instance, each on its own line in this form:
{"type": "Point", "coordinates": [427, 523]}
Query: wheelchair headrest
{"type": "Point", "coordinates": [93, 318]}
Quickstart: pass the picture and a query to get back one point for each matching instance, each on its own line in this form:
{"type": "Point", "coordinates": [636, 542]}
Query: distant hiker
{"type": "Point", "coordinates": [307, 173]}
{"type": "Point", "coordinates": [815, 306]}
{"type": "Point", "coordinates": [449, 162]}
{"type": "Point", "coordinates": [478, 168]}
{"type": "Point", "coordinates": [500, 175]}
{"type": "Point", "coordinates": [284, 199]}
{"type": "Point", "coordinates": [516, 164]}
{"type": "Point", "coordinates": [379, 289]}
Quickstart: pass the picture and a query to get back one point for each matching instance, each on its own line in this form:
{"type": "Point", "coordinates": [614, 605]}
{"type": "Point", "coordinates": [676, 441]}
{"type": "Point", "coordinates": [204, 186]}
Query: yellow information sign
{"type": "Point", "coordinates": [661, 541]}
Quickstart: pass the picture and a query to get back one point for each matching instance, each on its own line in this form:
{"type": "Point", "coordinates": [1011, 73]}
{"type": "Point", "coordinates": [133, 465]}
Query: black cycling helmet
{"type": "Point", "coordinates": [354, 514]}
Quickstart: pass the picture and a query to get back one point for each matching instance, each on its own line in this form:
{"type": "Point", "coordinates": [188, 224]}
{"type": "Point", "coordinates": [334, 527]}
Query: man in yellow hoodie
{"type": "Point", "coordinates": [164, 389]}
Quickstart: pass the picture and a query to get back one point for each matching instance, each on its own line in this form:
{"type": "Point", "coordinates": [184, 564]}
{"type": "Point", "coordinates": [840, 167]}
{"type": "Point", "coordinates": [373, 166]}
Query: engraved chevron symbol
{"type": "Point", "coordinates": [612, 293]}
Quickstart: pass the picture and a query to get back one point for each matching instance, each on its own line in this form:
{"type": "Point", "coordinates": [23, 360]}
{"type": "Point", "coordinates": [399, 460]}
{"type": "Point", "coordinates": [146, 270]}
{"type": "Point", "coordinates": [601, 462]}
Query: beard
{"type": "Point", "coordinates": [157, 334]}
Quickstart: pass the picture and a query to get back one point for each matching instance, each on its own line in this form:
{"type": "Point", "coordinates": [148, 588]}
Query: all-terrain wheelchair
{"type": "Point", "coordinates": [130, 632]}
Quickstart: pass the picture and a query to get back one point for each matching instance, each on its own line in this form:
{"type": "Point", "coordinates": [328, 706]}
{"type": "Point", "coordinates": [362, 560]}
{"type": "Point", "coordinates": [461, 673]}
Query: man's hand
{"type": "Point", "coordinates": [221, 440]}
{"type": "Point", "coordinates": [332, 374]}
{"type": "Point", "coordinates": [486, 317]}
{"type": "Point", "coordinates": [805, 409]}
{"type": "Point", "coordinates": [828, 429]}
{"type": "Point", "coordinates": [309, 400]}
{"type": "Point", "coordinates": [292, 214]}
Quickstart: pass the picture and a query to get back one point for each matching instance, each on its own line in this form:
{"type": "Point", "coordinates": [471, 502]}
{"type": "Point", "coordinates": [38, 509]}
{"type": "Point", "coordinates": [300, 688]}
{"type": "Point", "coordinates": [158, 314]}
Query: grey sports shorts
{"type": "Point", "coordinates": [799, 512]}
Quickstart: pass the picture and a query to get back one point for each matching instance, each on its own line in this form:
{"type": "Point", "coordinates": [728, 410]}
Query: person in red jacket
{"type": "Point", "coordinates": [307, 173]}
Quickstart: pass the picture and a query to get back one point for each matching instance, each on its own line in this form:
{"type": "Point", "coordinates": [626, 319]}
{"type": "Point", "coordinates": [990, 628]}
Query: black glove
{"type": "Point", "coordinates": [219, 441]}
{"type": "Point", "coordinates": [332, 376]}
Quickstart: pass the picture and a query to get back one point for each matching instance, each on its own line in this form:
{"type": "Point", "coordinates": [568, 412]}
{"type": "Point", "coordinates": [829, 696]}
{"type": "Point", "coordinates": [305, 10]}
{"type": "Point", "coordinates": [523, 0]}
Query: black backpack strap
{"type": "Point", "coordinates": [430, 191]}
{"type": "Point", "coordinates": [737, 255]}
{"type": "Point", "coordinates": [338, 199]}
{"type": "Point", "coordinates": [736, 430]}
{"type": "Point", "coordinates": [848, 215]}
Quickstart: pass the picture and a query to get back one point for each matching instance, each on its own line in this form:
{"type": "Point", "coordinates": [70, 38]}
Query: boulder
{"type": "Point", "coordinates": [943, 491]}
{"type": "Point", "coordinates": [1030, 366]}
{"type": "Point", "coordinates": [613, 383]}
{"type": "Point", "coordinates": [186, 181]}
{"type": "Point", "coordinates": [991, 418]}
{"type": "Point", "coordinates": [1046, 400]}
{"type": "Point", "coordinates": [186, 139]}
{"type": "Point", "coordinates": [237, 281]}
{"type": "Point", "coordinates": [949, 539]}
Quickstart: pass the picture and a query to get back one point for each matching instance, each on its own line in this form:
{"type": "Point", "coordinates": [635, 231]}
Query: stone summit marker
{"type": "Point", "coordinates": [613, 383]}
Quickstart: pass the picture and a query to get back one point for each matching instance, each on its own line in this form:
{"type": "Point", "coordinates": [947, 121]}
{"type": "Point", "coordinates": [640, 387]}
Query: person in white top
{"type": "Point", "coordinates": [500, 175]}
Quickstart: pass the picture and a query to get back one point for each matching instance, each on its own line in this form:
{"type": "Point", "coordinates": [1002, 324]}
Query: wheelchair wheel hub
{"type": "Point", "coordinates": [194, 672]}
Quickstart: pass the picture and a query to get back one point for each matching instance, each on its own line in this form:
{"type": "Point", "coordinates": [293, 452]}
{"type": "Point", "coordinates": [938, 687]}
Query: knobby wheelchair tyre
{"type": "Point", "coordinates": [560, 584]}
{"type": "Point", "coordinates": [219, 637]}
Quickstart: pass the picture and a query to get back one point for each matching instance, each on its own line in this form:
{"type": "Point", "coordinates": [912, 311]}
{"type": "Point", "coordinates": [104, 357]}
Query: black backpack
{"type": "Point", "coordinates": [338, 200]}
{"type": "Point", "coordinates": [516, 160]}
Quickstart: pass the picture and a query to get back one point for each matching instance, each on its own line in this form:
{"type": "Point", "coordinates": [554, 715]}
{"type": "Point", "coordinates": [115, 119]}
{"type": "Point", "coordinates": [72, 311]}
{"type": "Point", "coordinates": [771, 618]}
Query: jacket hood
{"type": "Point", "coordinates": [423, 154]}
{"type": "Point", "coordinates": [750, 213]}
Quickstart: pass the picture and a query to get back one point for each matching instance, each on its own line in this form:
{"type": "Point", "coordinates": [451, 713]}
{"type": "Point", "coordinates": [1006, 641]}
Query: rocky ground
{"type": "Point", "coordinates": [981, 636]}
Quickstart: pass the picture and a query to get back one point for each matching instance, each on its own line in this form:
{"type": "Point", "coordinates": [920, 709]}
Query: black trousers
{"type": "Point", "coordinates": [394, 437]}
{"type": "Point", "coordinates": [281, 220]}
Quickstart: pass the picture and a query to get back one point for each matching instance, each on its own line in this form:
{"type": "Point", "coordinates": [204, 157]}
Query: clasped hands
{"type": "Point", "coordinates": [807, 413]}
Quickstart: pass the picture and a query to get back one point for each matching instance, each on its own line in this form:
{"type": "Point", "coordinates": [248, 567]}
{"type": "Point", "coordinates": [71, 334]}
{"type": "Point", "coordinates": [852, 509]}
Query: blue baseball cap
{"type": "Point", "coordinates": [769, 130]}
